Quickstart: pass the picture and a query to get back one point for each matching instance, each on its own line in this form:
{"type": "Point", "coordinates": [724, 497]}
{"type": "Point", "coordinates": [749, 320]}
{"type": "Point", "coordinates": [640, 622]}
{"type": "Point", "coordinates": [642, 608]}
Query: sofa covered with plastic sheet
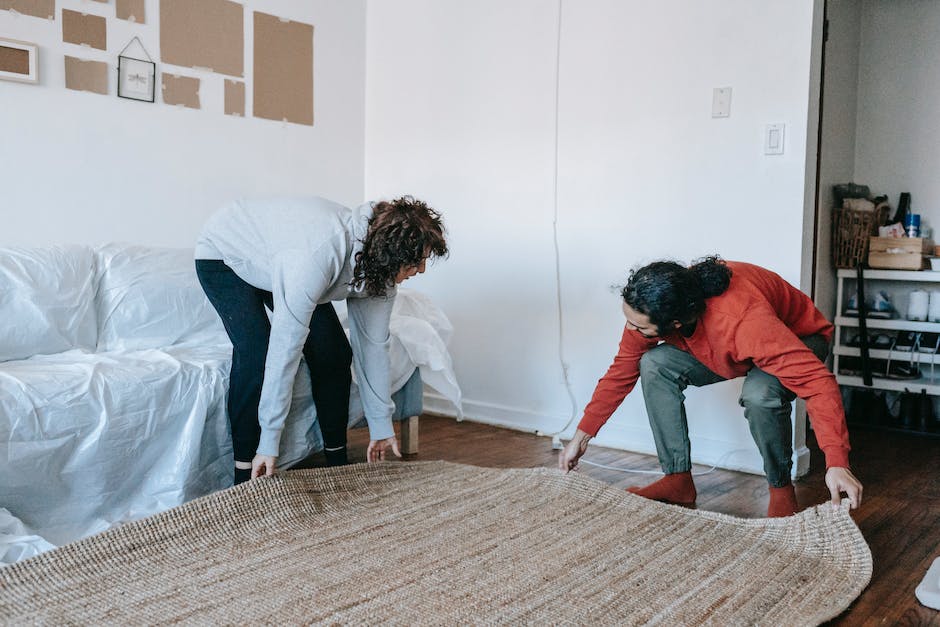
{"type": "Point", "coordinates": [113, 376]}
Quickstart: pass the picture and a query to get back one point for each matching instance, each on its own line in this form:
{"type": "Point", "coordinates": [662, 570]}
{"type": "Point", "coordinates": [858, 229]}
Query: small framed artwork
{"type": "Point", "coordinates": [19, 61]}
{"type": "Point", "coordinates": [136, 79]}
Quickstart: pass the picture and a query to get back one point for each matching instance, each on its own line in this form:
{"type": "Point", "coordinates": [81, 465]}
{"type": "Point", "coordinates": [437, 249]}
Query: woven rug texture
{"type": "Point", "coordinates": [442, 543]}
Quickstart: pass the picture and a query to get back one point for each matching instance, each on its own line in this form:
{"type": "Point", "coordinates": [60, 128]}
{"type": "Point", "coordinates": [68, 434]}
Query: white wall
{"type": "Point", "coordinates": [898, 143]}
{"type": "Point", "coordinates": [86, 168]}
{"type": "Point", "coordinates": [460, 111]}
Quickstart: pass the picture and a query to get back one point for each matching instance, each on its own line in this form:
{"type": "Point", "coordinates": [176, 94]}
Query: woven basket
{"type": "Point", "coordinates": [850, 232]}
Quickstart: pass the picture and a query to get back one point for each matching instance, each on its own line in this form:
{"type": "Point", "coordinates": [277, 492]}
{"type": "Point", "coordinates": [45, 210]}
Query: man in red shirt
{"type": "Point", "coordinates": [711, 322]}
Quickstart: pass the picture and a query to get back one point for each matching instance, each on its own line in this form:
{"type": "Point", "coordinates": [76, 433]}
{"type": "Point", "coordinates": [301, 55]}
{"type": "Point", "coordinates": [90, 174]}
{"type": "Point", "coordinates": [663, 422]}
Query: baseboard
{"type": "Point", "coordinates": [742, 457]}
{"type": "Point", "coordinates": [725, 454]}
{"type": "Point", "coordinates": [492, 414]}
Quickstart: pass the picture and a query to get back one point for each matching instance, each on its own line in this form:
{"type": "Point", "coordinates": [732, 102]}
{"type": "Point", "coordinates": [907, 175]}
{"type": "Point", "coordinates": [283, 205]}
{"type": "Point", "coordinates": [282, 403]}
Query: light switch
{"type": "Point", "coordinates": [773, 139]}
{"type": "Point", "coordinates": [721, 102]}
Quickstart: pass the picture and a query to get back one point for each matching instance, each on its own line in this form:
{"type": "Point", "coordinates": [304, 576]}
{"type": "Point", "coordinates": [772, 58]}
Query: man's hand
{"type": "Point", "coordinates": [262, 466]}
{"type": "Point", "coordinates": [840, 480]}
{"type": "Point", "coordinates": [569, 456]}
{"type": "Point", "coordinates": [377, 448]}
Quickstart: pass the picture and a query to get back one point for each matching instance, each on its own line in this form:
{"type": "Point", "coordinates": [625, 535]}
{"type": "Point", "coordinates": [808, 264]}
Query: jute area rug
{"type": "Point", "coordinates": [441, 543]}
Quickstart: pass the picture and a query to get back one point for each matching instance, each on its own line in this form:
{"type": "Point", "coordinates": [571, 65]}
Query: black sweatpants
{"type": "Point", "coordinates": [327, 353]}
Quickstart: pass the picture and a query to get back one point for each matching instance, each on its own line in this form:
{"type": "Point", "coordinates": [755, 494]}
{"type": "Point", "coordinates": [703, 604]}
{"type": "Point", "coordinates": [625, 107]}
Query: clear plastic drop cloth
{"type": "Point", "coordinates": [16, 541]}
{"type": "Point", "coordinates": [91, 440]}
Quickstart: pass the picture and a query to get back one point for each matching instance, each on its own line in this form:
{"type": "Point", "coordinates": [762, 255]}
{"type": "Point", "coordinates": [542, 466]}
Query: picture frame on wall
{"type": "Point", "coordinates": [19, 61]}
{"type": "Point", "coordinates": [136, 79]}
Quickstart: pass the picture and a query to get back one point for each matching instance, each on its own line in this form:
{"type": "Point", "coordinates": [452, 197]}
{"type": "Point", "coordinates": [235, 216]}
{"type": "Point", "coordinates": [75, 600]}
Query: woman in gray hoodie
{"type": "Point", "coordinates": [295, 256]}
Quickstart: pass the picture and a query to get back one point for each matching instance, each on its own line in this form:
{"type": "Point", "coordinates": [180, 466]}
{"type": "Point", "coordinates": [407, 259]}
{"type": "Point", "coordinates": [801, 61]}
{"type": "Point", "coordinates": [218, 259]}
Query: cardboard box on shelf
{"type": "Point", "coordinates": [899, 253]}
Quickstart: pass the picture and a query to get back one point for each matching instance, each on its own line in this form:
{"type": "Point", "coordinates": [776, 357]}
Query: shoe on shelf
{"type": "Point", "coordinates": [929, 342]}
{"type": "Point", "coordinates": [881, 341]}
{"type": "Point", "coordinates": [903, 371]}
{"type": "Point", "coordinates": [881, 307]}
{"type": "Point", "coordinates": [907, 341]}
{"type": "Point", "coordinates": [851, 307]}
{"type": "Point", "coordinates": [878, 307]}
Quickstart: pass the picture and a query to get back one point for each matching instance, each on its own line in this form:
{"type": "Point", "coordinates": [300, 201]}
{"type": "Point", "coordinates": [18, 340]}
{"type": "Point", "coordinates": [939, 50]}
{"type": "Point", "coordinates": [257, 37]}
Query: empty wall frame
{"type": "Point", "coordinates": [19, 61]}
{"type": "Point", "coordinates": [207, 34]}
{"type": "Point", "coordinates": [283, 70]}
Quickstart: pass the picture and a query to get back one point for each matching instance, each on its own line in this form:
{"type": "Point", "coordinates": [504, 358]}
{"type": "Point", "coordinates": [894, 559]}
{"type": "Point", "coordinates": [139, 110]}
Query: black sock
{"type": "Point", "coordinates": [336, 457]}
{"type": "Point", "coordinates": [242, 475]}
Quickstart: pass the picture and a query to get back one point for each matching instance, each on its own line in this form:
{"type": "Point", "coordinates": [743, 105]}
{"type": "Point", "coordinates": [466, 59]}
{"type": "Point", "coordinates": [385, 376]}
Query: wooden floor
{"type": "Point", "coordinates": [899, 516]}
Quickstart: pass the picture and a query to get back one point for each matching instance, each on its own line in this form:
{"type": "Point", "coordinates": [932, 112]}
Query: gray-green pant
{"type": "Point", "coordinates": [665, 372]}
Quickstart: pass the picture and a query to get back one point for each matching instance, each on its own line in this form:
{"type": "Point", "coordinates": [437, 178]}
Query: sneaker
{"type": "Point", "coordinates": [881, 306]}
{"type": "Point", "coordinates": [929, 343]}
{"type": "Point", "coordinates": [851, 307]}
{"type": "Point", "coordinates": [907, 341]}
{"type": "Point", "coordinates": [881, 341]}
{"type": "Point", "coordinates": [901, 370]}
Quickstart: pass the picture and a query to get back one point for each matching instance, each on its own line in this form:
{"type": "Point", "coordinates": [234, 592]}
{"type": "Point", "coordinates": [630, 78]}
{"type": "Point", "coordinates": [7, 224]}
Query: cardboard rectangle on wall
{"type": "Point", "coordinates": [131, 10]}
{"type": "Point", "coordinates": [203, 34]}
{"type": "Point", "coordinates": [234, 97]}
{"type": "Point", "coordinates": [80, 28]}
{"type": "Point", "coordinates": [86, 75]}
{"type": "Point", "coordinates": [283, 70]}
{"type": "Point", "coordinates": [35, 8]}
{"type": "Point", "coordinates": [181, 90]}
{"type": "Point", "coordinates": [14, 60]}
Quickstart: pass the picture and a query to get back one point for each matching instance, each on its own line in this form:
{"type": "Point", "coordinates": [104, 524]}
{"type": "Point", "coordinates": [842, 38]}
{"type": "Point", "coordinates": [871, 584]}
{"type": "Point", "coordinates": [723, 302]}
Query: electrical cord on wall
{"type": "Point", "coordinates": [556, 436]}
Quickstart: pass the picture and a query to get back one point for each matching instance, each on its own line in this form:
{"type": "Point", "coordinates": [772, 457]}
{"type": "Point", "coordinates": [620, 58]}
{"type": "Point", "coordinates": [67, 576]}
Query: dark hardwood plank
{"type": "Point", "coordinates": [899, 515]}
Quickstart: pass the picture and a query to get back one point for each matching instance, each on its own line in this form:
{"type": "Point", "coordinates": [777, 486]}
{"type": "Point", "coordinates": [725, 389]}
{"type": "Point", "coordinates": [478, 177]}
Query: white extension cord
{"type": "Point", "coordinates": [659, 472]}
{"type": "Point", "coordinates": [556, 436]}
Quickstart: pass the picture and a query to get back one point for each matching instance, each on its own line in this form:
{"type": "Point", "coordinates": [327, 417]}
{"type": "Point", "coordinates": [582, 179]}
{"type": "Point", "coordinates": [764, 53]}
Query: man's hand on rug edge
{"type": "Point", "coordinates": [840, 480]}
{"type": "Point", "coordinates": [377, 448]}
{"type": "Point", "coordinates": [568, 457]}
{"type": "Point", "coordinates": [262, 465]}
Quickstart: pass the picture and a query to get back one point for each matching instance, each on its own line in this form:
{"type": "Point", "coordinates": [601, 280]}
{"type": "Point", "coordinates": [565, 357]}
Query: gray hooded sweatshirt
{"type": "Point", "coordinates": [303, 251]}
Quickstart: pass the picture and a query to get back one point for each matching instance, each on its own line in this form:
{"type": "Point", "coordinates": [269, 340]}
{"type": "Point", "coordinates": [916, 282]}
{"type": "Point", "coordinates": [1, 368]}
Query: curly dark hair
{"type": "Point", "coordinates": [667, 291]}
{"type": "Point", "coordinates": [401, 234]}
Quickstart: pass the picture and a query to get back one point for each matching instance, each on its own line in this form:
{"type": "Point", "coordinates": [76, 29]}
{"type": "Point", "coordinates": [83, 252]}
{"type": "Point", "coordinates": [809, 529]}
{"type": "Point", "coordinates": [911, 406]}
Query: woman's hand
{"type": "Point", "coordinates": [569, 456]}
{"type": "Point", "coordinates": [262, 466]}
{"type": "Point", "coordinates": [840, 480]}
{"type": "Point", "coordinates": [377, 448]}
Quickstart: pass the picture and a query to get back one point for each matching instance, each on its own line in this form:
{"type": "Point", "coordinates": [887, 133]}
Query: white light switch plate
{"type": "Point", "coordinates": [721, 102]}
{"type": "Point", "coordinates": [774, 139]}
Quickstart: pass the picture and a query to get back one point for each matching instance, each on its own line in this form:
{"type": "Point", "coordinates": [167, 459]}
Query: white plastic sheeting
{"type": "Point", "coordinates": [46, 301]}
{"type": "Point", "coordinates": [88, 440]}
{"type": "Point", "coordinates": [95, 439]}
{"type": "Point", "coordinates": [140, 308]}
{"type": "Point", "coordinates": [16, 541]}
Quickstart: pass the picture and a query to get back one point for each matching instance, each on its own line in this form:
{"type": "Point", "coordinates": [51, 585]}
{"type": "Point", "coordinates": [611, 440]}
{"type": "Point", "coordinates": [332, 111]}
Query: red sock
{"type": "Point", "coordinates": [782, 502]}
{"type": "Point", "coordinates": [676, 488]}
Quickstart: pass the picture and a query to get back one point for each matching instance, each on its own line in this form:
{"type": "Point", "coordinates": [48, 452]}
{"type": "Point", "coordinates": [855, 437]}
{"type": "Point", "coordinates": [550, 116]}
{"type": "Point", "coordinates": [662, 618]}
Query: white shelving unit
{"type": "Point", "coordinates": [897, 284]}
